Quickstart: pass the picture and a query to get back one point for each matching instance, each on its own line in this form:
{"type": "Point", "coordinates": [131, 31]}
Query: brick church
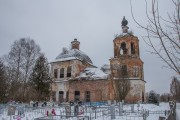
{"type": "Point", "coordinates": [76, 78]}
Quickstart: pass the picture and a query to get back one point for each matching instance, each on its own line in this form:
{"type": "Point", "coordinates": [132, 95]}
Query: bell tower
{"type": "Point", "coordinates": [127, 59]}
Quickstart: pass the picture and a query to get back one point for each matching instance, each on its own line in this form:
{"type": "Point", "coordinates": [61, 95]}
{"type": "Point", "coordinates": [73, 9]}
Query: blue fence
{"type": "Point", "coordinates": [95, 103]}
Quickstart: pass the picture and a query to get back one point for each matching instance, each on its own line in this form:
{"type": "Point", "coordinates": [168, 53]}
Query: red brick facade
{"type": "Point", "coordinates": [98, 89]}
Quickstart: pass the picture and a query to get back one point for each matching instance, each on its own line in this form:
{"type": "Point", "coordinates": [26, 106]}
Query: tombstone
{"type": "Point", "coordinates": [112, 111]}
{"type": "Point", "coordinates": [138, 105]}
{"type": "Point", "coordinates": [132, 108]}
{"type": "Point", "coordinates": [11, 110]}
{"type": "Point", "coordinates": [115, 102]}
{"type": "Point", "coordinates": [20, 110]}
{"type": "Point", "coordinates": [123, 102]}
{"type": "Point", "coordinates": [68, 111]}
{"type": "Point", "coordinates": [109, 102]}
{"type": "Point", "coordinates": [76, 109]}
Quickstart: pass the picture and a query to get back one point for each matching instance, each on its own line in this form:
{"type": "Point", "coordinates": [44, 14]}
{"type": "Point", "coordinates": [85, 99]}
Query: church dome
{"type": "Point", "coordinates": [73, 54]}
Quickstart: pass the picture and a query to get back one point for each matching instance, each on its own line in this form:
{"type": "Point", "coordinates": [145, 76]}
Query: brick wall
{"type": "Point", "coordinates": [98, 89]}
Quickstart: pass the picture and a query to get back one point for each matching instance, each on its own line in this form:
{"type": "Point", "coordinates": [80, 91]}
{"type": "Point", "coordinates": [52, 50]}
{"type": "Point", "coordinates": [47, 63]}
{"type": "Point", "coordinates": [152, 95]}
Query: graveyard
{"type": "Point", "coordinates": [86, 111]}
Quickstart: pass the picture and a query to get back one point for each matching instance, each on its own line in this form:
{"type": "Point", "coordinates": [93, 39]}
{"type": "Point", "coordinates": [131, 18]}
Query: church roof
{"type": "Point", "coordinates": [73, 54]}
{"type": "Point", "coordinates": [92, 74]}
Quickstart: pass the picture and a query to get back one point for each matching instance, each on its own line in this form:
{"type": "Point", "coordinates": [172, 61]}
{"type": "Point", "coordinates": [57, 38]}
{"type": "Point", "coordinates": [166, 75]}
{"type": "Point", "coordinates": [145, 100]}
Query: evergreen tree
{"type": "Point", "coordinates": [39, 78]}
{"type": "Point", "coordinates": [153, 97]}
{"type": "Point", "coordinates": [3, 83]}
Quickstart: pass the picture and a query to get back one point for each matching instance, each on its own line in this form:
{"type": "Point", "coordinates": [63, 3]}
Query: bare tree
{"type": "Point", "coordinates": [20, 61]}
{"type": "Point", "coordinates": [163, 34]}
{"type": "Point", "coordinates": [165, 97]}
{"type": "Point", "coordinates": [121, 83]}
{"type": "Point", "coordinates": [175, 88]}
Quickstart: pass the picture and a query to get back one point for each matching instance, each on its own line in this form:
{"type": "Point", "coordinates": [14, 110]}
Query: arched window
{"type": "Point", "coordinates": [62, 73]}
{"type": "Point", "coordinates": [123, 48]}
{"type": "Point", "coordinates": [69, 71]}
{"type": "Point", "coordinates": [76, 95]}
{"type": "Point", "coordinates": [132, 48]}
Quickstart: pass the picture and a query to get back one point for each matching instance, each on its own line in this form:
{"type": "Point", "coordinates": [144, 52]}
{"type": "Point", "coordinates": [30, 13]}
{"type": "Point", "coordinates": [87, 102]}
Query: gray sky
{"type": "Point", "coordinates": [53, 24]}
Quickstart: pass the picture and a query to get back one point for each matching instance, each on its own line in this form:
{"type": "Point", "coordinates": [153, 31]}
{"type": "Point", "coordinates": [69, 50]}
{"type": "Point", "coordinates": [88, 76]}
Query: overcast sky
{"type": "Point", "coordinates": [53, 24]}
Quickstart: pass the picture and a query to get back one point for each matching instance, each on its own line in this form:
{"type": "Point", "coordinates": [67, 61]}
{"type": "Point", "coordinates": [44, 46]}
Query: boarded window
{"type": "Point", "coordinates": [62, 73]}
{"type": "Point", "coordinates": [132, 48]}
{"type": "Point", "coordinates": [87, 96]}
{"type": "Point", "coordinates": [69, 71]}
{"type": "Point", "coordinates": [135, 71]}
{"type": "Point", "coordinates": [76, 95]}
{"type": "Point", "coordinates": [124, 70]}
{"type": "Point", "coordinates": [55, 73]}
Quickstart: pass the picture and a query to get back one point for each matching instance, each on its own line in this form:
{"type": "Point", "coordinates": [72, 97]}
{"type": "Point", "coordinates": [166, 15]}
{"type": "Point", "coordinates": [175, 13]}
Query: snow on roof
{"type": "Point", "coordinates": [92, 74]}
{"type": "Point", "coordinates": [71, 55]}
{"type": "Point", "coordinates": [106, 68]}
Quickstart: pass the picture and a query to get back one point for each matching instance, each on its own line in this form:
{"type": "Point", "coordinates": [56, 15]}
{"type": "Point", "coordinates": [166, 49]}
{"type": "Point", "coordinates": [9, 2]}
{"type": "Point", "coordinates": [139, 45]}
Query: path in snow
{"type": "Point", "coordinates": [178, 111]}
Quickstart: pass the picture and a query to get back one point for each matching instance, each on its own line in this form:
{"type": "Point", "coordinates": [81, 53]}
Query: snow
{"type": "Point", "coordinates": [65, 59]}
{"type": "Point", "coordinates": [106, 68]}
{"type": "Point", "coordinates": [177, 111]}
{"type": "Point", "coordinates": [92, 74]}
{"type": "Point", "coordinates": [71, 55]}
{"type": "Point", "coordinates": [101, 112]}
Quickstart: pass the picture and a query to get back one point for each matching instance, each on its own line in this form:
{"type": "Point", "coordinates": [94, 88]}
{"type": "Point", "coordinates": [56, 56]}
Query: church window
{"type": "Point", "coordinates": [76, 95]}
{"type": "Point", "coordinates": [62, 73]}
{"type": "Point", "coordinates": [124, 70]}
{"type": "Point", "coordinates": [69, 71]}
{"type": "Point", "coordinates": [55, 73]}
{"type": "Point", "coordinates": [123, 49]}
{"type": "Point", "coordinates": [67, 96]}
{"type": "Point", "coordinates": [87, 96]}
{"type": "Point", "coordinates": [132, 48]}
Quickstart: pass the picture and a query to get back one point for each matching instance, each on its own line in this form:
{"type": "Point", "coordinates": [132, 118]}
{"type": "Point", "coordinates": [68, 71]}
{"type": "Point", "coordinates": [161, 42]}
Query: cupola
{"type": "Point", "coordinates": [75, 44]}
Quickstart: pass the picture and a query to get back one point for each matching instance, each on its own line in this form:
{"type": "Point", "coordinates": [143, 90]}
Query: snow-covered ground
{"type": "Point", "coordinates": [178, 111]}
{"type": "Point", "coordinates": [98, 113]}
